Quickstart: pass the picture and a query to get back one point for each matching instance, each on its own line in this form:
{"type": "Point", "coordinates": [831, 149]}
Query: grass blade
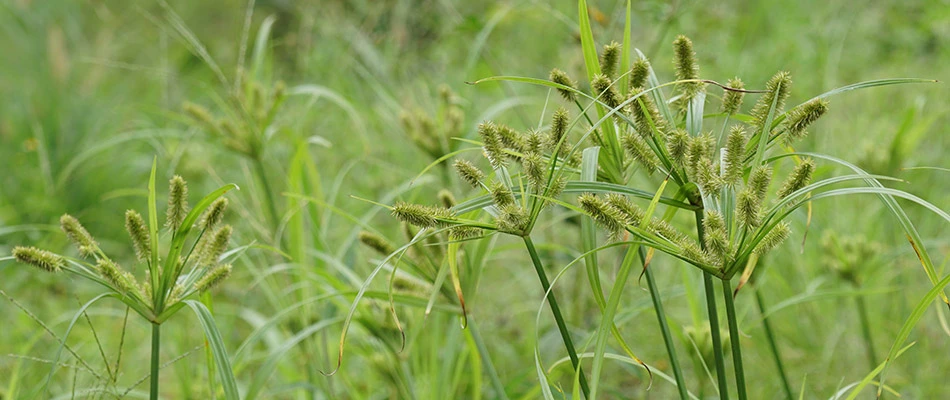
{"type": "Point", "coordinates": [220, 353]}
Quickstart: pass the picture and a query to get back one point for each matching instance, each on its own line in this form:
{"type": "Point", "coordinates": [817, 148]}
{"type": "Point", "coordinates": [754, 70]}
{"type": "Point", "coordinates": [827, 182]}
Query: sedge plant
{"type": "Point", "coordinates": [189, 265]}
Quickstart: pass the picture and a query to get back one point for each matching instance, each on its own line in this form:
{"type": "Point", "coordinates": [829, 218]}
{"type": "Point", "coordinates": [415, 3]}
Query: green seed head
{"type": "Point", "coordinates": [677, 145]}
{"type": "Point", "coordinates": [78, 235]}
{"type": "Point", "coordinates": [759, 182]}
{"type": "Point", "coordinates": [608, 217]}
{"type": "Point", "coordinates": [684, 61]}
{"type": "Point", "coordinates": [534, 168]}
{"type": "Point", "coordinates": [141, 239]}
{"type": "Point", "coordinates": [775, 237]}
{"type": "Point", "coordinates": [377, 243]}
{"type": "Point", "coordinates": [804, 115]}
{"type": "Point", "coordinates": [639, 73]}
{"type": "Point", "coordinates": [799, 178]}
{"type": "Point", "coordinates": [419, 215]}
{"type": "Point", "coordinates": [559, 126]}
{"type": "Point", "coordinates": [535, 142]}
{"type": "Point", "coordinates": [609, 58]}
{"type": "Point", "coordinates": [469, 172]}
{"type": "Point", "coordinates": [707, 177]}
{"type": "Point", "coordinates": [561, 78]}
{"type": "Point", "coordinates": [42, 259]}
{"type": "Point", "coordinates": [216, 246]}
{"type": "Point", "coordinates": [666, 230]}
{"type": "Point", "coordinates": [446, 198]}
{"type": "Point", "coordinates": [716, 237]}
{"type": "Point", "coordinates": [463, 232]}
{"type": "Point", "coordinates": [513, 220]}
{"type": "Point", "coordinates": [215, 213]}
{"type": "Point", "coordinates": [700, 147]}
{"type": "Point", "coordinates": [200, 115]}
{"type": "Point", "coordinates": [177, 202]}
{"type": "Point", "coordinates": [118, 277]}
{"type": "Point", "coordinates": [747, 208]}
{"type": "Point", "coordinates": [732, 100]}
{"type": "Point", "coordinates": [632, 214]}
{"type": "Point", "coordinates": [603, 88]}
{"type": "Point", "coordinates": [510, 138]}
{"type": "Point", "coordinates": [640, 151]}
{"type": "Point", "coordinates": [557, 187]}
{"type": "Point", "coordinates": [213, 277]}
{"type": "Point", "coordinates": [492, 145]}
{"type": "Point", "coordinates": [735, 153]}
{"type": "Point", "coordinates": [777, 90]}
{"type": "Point", "coordinates": [646, 116]}
{"type": "Point", "coordinates": [501, 195]}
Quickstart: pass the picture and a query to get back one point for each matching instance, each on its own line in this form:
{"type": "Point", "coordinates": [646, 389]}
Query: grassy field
{"type": "Point", "coordinates": [328, 114]}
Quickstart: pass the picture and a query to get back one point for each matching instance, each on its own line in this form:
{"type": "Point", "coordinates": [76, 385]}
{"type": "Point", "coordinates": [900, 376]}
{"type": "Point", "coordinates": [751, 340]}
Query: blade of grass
{"type": "Point", "coordinates": [220, 353]}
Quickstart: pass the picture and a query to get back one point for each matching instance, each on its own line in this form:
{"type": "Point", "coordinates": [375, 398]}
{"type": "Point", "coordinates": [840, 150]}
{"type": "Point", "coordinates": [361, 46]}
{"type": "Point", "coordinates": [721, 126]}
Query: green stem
{"type": "Point", "coordinates": [486, 358]}
{"type": "Point", "coordinates": [713, 316]}
{"type": "Point", "coordinates": [734, 337]}
{"type": "Point", "coordinates": [866, 330]}
{"type": "Point", "coordinates": [561, 325]}
{"type": "Point", "coordinates": [156, 344]}
{"type": "Point", "coordinates": [771, 338]}
{"type": "Point", "coordinates": [271, 204]}
{"type": "Point", "coordinates": [665, 329]}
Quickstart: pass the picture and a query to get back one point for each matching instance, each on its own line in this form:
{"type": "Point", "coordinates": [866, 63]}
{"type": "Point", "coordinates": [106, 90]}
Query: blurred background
{"type": "Point", "coordinates": [93, 90]}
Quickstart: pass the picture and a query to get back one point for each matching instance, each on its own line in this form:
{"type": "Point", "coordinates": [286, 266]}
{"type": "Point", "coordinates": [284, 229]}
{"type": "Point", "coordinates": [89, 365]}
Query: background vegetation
{"type": "Point", "coordinates": [93, 90]}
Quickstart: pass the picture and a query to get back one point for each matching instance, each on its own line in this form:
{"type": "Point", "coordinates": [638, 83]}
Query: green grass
{"type": "Point", "coordinates": [94, 92]}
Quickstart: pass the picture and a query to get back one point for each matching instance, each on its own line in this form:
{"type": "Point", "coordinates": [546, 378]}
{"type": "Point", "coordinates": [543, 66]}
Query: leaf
{"type": "Point", "coordinates": [69, 328]}
{"type": "Point", "coordinates": [220, 353]}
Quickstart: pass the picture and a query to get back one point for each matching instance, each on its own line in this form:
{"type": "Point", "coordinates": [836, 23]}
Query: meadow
{"type": "Point", "coordinates": [432, 199]}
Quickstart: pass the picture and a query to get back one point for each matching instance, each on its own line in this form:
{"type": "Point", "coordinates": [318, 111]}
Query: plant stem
{"type": "Point", "coordinates": [271, 205]}
{"type": "Point", "coordinates": [156, 343]}
{"type": "Point", "coordinates": [771, 338]}
{"type": "Point", "coordinates": [866, 330]}
{"type": "Point", "coordinates": [486, 358]}
{"type": "Point", "coordinates": [665, 329]}
{"type": "Point", "coordinates": [713, 316]}
{"type": "Point", "coordinates": [734, 337]}
{"type": "Point", "coordinates": [561, 325]}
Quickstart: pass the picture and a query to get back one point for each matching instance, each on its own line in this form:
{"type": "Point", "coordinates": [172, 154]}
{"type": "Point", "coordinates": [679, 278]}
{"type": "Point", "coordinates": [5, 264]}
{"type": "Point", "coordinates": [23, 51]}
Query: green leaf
{"type": "Point", "coordinates": [220, 353]}
{"type": "Point", "coordinates": [270, 364]}
{"type": "Point", "coordinates": [587, 41]}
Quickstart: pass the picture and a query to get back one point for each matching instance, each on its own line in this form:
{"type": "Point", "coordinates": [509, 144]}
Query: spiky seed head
{"type": "Point", "coordinates": [609, 58]}
{"type": "Point", "coordinates": [215, 247]}
{"type": "Point", "coordinates": [561, 78]}
{"type": "Point", "coordinates": [377, 243]}
{"type": "Point", "coordinates": [421, 216]}
{"type": "Point", "coordinates": [463, 232]}
{"type": "Point", "coordinates": [608, 217]}
{"type": "Point", "coordinates": [759, 181]}
{"type": "Point", "coordinates": [491, 144]}
{"type": "Point", "coordinates": [513, 220]}
{"type": "Point", "coordinates": [78, 235]}
{"type": "Point", "coordinates": [559, 125]}
{"type": "Point", "coordinates": [799, 178]}
{"type": "Point", "coordinates": [177, 202]}
{"type": "Point", "coordinates": [469, 172]}
{"type": "Point", "coordinates": [707, 177]}
{"type": "Point", "coordinates": [747, 208]}
{"type": "Point", "coordinates": [632, 214]}
{"type": "Point", "coordinates": [213, 277]}
{"type": "Point", "coordinates": [677, 145]}
{"type": "Point", "coordinates": [734, 155]}
{"type": "Point", "coordinates": [533, 167]}
{"type": "Point", "coordinates": [557, 187]}
{"type": "Point", "coordinates": [138, 232]}
{"type": "Point", "coordinates": [640, 151]}
{"type": "Point", "coordinates": [804, 115]}
{"type": "Point", "coordinates": [42, 259]}
{"type": "Point", "coordinates": [446, 198]}
{"type": "Point", "coordinates": [118, 277]}
{"type": "Point", "coordinates": [501, 195]}
{"type": "Point", "coordinates": [604, 89]}
{"type": "Point", "coordinates": [215, 214]}
{"type": "Point", "coordinates": [777, 90]}
{"type": "Point", "coordinates": [535, 142]}
{"type": "Point", "coordinates": [646, 116]}
{"type": "Point", "coordinates": [731, 99]}
{"type": "Point", "coordinates": [454, 119]}
{"type": "Point", "coordinates": [716, 237]}
{"type": "Point", "coordinates": [639, 73]}
{"type": "Point", "coordinates": [700, 147]}
{"type": "Point", "coordinates": [200, 114]}
{"type": "Point", "coordinates": [664, 229]}
{"type": "Point", "coordinates": [773, 238]}
{"type": "Point", "coordinates": [684, 62]}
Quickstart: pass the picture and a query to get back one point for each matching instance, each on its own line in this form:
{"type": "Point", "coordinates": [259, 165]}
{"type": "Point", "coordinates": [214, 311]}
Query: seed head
{"type": "Point", "coordinates": [700, 147]}
{"type": "Point", "coordinates": [141, 239]}
{"type": "Point", "coordinates": [640, 151]}
{"type": "Point", "coordinates": [777, 90]}
{"type": "Point", "coordinates": [376, 242]}
{"type": "Point", "coordinates": [759, 181]}
{"type": "Point", "coordinates": [513, 220]}
{"type": "Point", "coordinates": [664, 229]}
{"type": "Point", "coordinates": [215, 213]}
{"type": "Point", "coordinates": [747, 208]}
{"type": "Point", "coordinates": [200, 115]}
{"type": "Point", "coordinates": [677, 145]}
{"type": "Point", "coordinates": [609, 58]}
{"type": "Point", "coordinates": [716, 237]}
{"type": "Point", "coordinates": [603, 88]}
{"type": "Point", "coordinates": [501, 195]}
{"type": "Point", "coordinates": [215, 247]}
{"type": "Point", "coordinates": [608, 217]}
{"type": "Point", "coordinates": [213, 277]}
{"type": "Point", "coordinates": [491, 144]}
{"type": "Point", "coordinates": [775, 237]}
{"type": "Point", "coordinates": [684, 61]}
{"type": "Point", "coordinates": [419, 215]}
{"type": "Point", "coordinates": [177, 202]}
{"type": "Point", "coordinates": [561, 78]}
{"type": "Point", "coordinates": [469, 172]}
{"type": "Point", "coordinates": [646, 116]}
{"type": "Point", "coordinates": [632, 214]}
{"type": "Point", "coordinates": [42, 259]}
{"type": "Point", "coordinates": [78, 235]}
{"type": "Point", "coordinates": [559, 125]}
{"type": "Point", "coordinates": [509, 138]}
{"type": "Point", "coordinates": [707, 177]}
{"type": "Point", "coordinates": [533, 168]}
{"type": "Point", "coordinates": [446, 198]}
{"type": "Point", "coordinates": [732, 100]}
{"type": "Point", "coordinates": [118, 277]}
{"type": "Point", "coordinates": [804, 115]}
{"type": "Point", "coordinates": [557, 187]}
{"type": "Point", "coordinates": [799, 178]}
{"type": "Point", "coordinates": [639, 73]}
{"type": "Point", "coordinates": [535, 142]}
{"type": "Point", "coordinates": [735, 153]}
{"type": "Point", "coordinates": [463, 232]}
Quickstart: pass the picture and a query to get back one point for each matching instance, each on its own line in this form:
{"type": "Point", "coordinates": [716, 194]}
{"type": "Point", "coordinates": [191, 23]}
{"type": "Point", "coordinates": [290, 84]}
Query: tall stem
{"type": "Point", "coordinates": [771, 338]}
{"type": "Point", "coordinates": [269, 193]}
{"type": "Point", "coordinates": [156, 343]}
{"type": "Point", "coordinates": [713, 316]}
{"type": "Point", "coordinates": [561, 325]}
{"type": "Point", "coordinates": [866, 330]}
{"type": "Point", "coordinates": [486, 358]}
{"type": "Point", "coordinates": [734, 337]}
{"type": "Point", "coordinates": [665, 329]}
